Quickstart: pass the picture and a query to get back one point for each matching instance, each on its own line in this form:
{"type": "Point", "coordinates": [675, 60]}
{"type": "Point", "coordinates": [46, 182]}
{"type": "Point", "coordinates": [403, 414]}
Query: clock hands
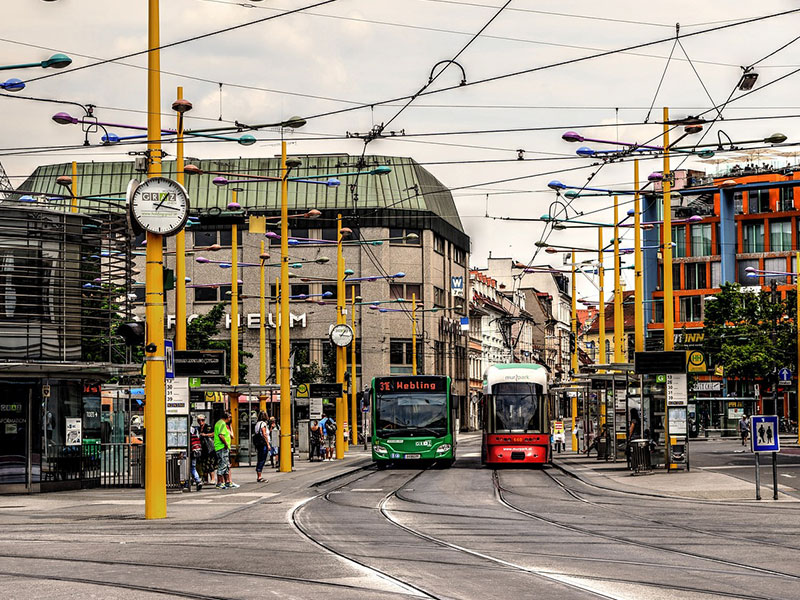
{"type": "Point", "coordinates": [164, 198]}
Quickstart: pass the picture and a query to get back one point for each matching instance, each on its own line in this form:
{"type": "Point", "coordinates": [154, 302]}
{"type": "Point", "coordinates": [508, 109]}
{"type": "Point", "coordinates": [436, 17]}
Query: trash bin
{"type": "Point", "coordinates": [602, 448]}
{"type": "Point", "coordinates": [640, 456]}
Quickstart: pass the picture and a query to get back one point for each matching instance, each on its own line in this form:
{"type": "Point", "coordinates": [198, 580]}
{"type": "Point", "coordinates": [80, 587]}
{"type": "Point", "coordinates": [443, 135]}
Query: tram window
{"type": "Point", "coordinates": [516, 407]}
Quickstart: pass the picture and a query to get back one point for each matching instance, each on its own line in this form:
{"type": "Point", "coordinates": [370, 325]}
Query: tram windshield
{"type": "Point", "coordinates": [411, 415]}
{"type": "Point", "coordinates": [516, 407]}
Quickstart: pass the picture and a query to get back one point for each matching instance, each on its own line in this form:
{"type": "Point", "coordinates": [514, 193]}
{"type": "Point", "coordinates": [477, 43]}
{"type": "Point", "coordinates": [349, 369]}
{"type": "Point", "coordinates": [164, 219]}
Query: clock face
{"type": "Point", "coordinates": [160, 205]}
{"type": "Point", "coordinates": [342, 335]}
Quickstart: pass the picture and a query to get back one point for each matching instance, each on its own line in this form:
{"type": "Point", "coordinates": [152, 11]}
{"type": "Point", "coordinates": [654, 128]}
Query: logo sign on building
{"type": "Point", "coordinates": [784, 376]}
{"type": "Point", "coordinates": [200, 363]}
{"type": "Point", "coordinates": [457, 285]}
{"type": "Point", "coordinates": [169, 358]}
{"type": "Point", "coordinates": [696, 362]}
{"type": "Point", "coordinates": [302, 391]}
{"type": "Point", "coordinates": [677, 394]}
{"type": "Point", "coordinates": [764, 433]}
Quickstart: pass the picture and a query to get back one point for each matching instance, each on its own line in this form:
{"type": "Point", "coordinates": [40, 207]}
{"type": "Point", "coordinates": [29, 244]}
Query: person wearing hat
{"type": "Point", "coordinates": [274, 441]}
{"type": "Point", "coordinates": [208, 457]}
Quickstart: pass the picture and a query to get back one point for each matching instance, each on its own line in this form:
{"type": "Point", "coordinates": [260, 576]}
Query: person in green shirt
{"type": "Point", "coordinates": [222, 446]}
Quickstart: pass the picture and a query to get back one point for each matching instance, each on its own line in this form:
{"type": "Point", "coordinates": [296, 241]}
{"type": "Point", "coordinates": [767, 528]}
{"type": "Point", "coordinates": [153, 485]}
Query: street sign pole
{"type": "Point", "coordinates": [758, 478]}
{"type": "Point", "coordinates": [774, 475]}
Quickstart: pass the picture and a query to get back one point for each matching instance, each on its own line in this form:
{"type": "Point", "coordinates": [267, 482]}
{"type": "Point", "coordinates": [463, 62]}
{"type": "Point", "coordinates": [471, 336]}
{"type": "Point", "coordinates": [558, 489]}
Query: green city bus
{"type": "Point", "coordinates": [412, 420]}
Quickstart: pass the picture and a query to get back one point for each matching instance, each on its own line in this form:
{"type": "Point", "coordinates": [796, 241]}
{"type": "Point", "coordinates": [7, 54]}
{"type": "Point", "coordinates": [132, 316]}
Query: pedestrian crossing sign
{"type": "Point", "coordinates": [764, 433]}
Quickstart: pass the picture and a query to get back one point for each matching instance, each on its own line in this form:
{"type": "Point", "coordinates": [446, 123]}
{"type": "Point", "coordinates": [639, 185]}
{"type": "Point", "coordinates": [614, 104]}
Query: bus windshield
{"type": "Point", "coordinates": [516, 407]}
{"type": "Point", "coordinates": [411, 415]}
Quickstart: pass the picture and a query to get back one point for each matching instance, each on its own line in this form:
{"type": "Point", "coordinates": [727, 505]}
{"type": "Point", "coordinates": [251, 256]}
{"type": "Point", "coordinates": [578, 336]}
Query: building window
{"type": "Point", "coordinates": [214, 294]}
{"type": "Point", "coordinates": [716, 274]}
{"type": "Point", "coordinates": [780, 236]}
{"type": "Point", "coordinates": [701, 240]}
{"type": "Point", "coordinates": [786, 199]}
{"type": "Point", "coordinates": [439, 298]}
{"type": "Point", "coordinates": [209, 238]}
{"type": "Point", "coordinates": [348, 290]}
{"type": "Point", "coordinates": [741, 272]}
{"type": "Point", "coordinates": [695, 276]}
{"type": "Point", "coordinates": [658, 310]}
{"type": "Point", "coordinates": [676, 276]}
{"type": "Point", "coordinates": [401, 356]}
{"type": "Point", "coordinates": [298, 289]}
{"type": "Point", "coordinates": [738, 203]}
{"type": "Point", "coordinates": [679, 238]}
{"type": "Point", "coordinates": [752, 237]}
{"type": "Point", "coordinates": [758, 201]}
{"type": "Point", "coordinates": [439, 358]}
{"type": "Point", "coordinates": [774, 264]}
{"type": "Point", "coordinates": [403, 291]}
{"type": "Point", "coordinates": [438, 243]}
{"type": "Point", "coordinates": [459, 256]}
{"type": "Point", "coordinates": [138, 291]}
{"type": "Point", "coordinates": [397, 236]}
{"type": "Point", "coordinates": [300, 353]}
{"type": "Point", "coordinates": [691, 308]}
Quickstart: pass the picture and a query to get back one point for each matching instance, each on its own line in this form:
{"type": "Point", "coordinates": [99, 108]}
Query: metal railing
{"type": "Point", "coordinates": [121, 465]}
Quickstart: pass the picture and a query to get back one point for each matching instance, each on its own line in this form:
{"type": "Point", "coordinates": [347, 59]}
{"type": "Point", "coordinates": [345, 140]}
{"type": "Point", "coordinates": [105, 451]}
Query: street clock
{"type": "Point", "coordinates": [160, 205]}
{"type": "Point", "coordinates": [341, 335]}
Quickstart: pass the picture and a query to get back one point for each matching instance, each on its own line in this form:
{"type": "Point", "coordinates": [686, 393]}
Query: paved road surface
{"type": "Point", "coordinates": [464, 533]}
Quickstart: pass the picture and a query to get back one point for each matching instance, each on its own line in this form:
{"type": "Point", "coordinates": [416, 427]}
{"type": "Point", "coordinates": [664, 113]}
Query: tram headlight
{"type": "Point", "coordinates": [443, 448]}
{"type": "Point", "coordinates": [380, 450]}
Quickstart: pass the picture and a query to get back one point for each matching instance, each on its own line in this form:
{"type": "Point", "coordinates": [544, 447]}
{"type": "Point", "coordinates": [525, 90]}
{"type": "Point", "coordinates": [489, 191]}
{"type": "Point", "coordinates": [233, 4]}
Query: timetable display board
{"type": "Point", "coordinates": [411, 384]}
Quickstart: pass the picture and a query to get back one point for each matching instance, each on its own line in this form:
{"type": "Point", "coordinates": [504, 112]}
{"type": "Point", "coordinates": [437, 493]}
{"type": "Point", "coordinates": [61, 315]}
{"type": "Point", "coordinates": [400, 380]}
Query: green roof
{"type": "Point", "coordinates": [409, 187]}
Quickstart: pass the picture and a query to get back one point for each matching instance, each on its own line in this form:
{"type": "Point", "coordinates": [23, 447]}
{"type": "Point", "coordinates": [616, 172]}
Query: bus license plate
{"type": "Point", "coordinates": [413, 455]}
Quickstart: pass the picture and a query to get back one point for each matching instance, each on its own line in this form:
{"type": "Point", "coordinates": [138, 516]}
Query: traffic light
{"type": "Point", "coordinates": [572, 346]}
{"type": "Point", "coordinates": [132, 333]}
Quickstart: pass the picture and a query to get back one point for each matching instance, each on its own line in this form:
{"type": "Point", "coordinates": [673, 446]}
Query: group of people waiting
{"type": "Point", "coordinates": [210, 449]}
{"type": "Point", "coordinates": [322, 441]}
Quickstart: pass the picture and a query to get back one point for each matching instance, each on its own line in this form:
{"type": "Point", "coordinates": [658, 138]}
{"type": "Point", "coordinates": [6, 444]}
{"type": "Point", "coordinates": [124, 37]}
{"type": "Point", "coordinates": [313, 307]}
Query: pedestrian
{"type": "Point", "coordinates": [274, 443]}
{"type": "Point", "coordinates": [222, 446]}
{"type": "Point", "coordinates": [208, 456]}
{"type": "Point", "coordinates": [195, 452]}
{"type": "Point", "coordinates": [744, 428]}
{"type": "Point", "coordinates": [316, 442]}
{"type": "Point", "coordinates": [634, 433]}
{"type": "Point", "coordinates": [329, 428]}
{"type": "Point", "coordinates": [261, 442]}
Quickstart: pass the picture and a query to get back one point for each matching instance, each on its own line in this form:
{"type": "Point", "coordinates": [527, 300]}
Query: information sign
{"type": "Point", "coordinates": [177, 396]}
{"type": "Point", "coordinates": [169, 359]}
{"type": "Point", "coordinates": [325, 390]}
{"type": "Point", "coordinates": [315, 408]}
{"type": "Point", "coordinates": [784, 376]}
{"type": "Point", "coordinates": [74, 432]}
{"type": "Point", "coordinates": [651, 363]}
{"type": "Point", "coordinates": [764, 433]}
{"type": "Point", "coordinates": [677, 421]}
{"type": "Point", "coordinates": [677, 394]}
{"type": "Point", "coordinates": [200, 363]}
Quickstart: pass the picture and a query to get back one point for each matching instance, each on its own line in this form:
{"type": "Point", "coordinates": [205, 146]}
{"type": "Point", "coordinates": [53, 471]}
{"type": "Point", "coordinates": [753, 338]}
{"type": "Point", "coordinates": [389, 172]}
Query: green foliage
{"type": "Point", "coordinates": [310, 372]}
{"type": "Point", "coordinates": [203, 334]}
{"type": "Point", "coordinates": [750, 334]}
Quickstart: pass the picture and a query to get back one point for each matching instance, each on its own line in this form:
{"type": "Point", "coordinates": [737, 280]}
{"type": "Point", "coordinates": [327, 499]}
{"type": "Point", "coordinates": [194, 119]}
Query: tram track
{"type": "Point", "coordinates": [500, 494]}
{"type": "Point", "coordinates": [572, 493]}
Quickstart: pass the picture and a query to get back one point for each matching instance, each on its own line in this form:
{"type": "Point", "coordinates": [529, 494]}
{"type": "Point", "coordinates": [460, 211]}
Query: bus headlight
{"type": "Point", "coordinates": [380, 450]}
{"type": "Point", "coordinates": [443, 448]}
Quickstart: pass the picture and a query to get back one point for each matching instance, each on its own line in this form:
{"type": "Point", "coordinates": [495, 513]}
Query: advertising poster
{"type": "Point", "coordinates": [74, 432]}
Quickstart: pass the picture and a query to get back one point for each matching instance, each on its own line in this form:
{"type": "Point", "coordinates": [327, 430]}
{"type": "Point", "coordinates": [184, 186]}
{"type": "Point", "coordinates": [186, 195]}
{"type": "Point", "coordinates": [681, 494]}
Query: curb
{"type": "Point", "coordinates": [350, 471]}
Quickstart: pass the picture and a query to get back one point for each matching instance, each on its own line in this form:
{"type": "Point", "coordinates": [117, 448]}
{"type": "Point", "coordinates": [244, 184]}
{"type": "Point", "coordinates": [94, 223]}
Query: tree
{"type": "Point", "coordinates": [203, 334]}
{"type": "Point", "coordinates": [751, 334]}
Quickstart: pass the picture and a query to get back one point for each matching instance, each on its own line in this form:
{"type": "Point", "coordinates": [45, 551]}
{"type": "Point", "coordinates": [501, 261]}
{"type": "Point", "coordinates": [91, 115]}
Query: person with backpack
{"type": "Point", "coordinates": [328, 426]}
{"type": "Point", "coordinates": [261, 442]}
{"type": "Point", "coordinates": [195, 452]}
{"type": "Point", "coordinates": [316, 444]}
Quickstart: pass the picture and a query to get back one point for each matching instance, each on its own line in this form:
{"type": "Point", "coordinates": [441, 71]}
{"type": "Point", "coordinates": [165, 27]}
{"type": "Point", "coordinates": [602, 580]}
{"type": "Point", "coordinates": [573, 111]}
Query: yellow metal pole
{"type": "Point", "coordinates": [602, 358]}
{"type": "Point", "coordinates": [286, 405]}
{"type": "Point", "coordinates": [262, 332]}
{"type": "Point", "coordinates": [353, 405]}
{"type": "Point", "coordinates": [638, 294]}
{"type": "Point", "coordinates": [234, 397]}
{"type": "Point", "coordinates": [669, 301]}
{"type": "Point", "coordinates": [74, 187]}
{"type": "Point", "coordinates": [341, 352]}
{"type": "Point", "coordinates": [155, 484]}
{"type": "Point", "coordinates": [574, 417]}
{"type": "Point", "coordinates": [277, 333]}
{"type": "Point", "coordinates": [413, 334]}
{"type": "Point", "coordinates": [619, 322]}
{"type": "Point", "coordinates": [574, 328]}
{"type": "Point", "coordinates": [797, 324]}
{"type": "Point", "coordinates": [180, 247]}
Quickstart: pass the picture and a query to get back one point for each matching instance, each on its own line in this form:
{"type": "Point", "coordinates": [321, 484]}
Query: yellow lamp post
{"type": "Point", "coordinates": [797, 324]}
{"type": "Point", "coordinates": [285, 382]}
{"type": "Point", "coordinates": [74, 201]}
{"type": "Point", "coordinates": [278, 333]}
{"type": "Point", "coordinates": [341, 351]}
{"type": "Point", "coordinates": [669, 301]}
{"type": "Point", "coordinates": [262, 328]}
{"type": "Point", "coordinates": [413, 334]}
{"type": "Point", "coordinates": [574, 350]}
{"type": "Point", "coordinates": [602, 358]}
{"type": "Point", "coordinates": [638, 294]}
{"type": "Point", "coordinates": [180, 106]}
{"type": "Point", "coordinates": [619, 322]}
{"type": "Point", "coordinates": [155, 496]}
{"type": "Point", "coordinates": [353, 404]}
{"type": "Point", "coordinates": [234, 397]}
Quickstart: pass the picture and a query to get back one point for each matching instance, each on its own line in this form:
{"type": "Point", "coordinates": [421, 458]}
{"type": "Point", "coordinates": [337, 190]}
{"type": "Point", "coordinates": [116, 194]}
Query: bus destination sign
{"type": "Point", "coordinates": [412, 384]}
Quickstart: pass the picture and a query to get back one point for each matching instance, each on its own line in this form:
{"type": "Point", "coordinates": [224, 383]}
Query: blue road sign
{"type": "Point", "coordinates": [169, 358]}
{"type": "Point", "coordinates": [785, 375]}
{"type": "Point", "coordinates": [764, 433]}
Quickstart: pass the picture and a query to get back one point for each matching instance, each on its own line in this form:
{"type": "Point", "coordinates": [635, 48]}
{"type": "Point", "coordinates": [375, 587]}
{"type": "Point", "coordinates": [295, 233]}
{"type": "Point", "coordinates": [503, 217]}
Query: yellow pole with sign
{"type": "Point", "coordinates": [277, 332]}
{"type": "Point", "coordinates": [262, 331]}
{"type": "Point", "coordinates": [180, 245]}
{"type": "Point", "coordinates": [574, 351]}
{"type": "Point", "coordinates": [353, 404]}
{"type": "Point", "coordinates": [234, 397]}
{"type": "Point", "coordinates": [74, 187]}
{"type": "Point", "coordinates": [155, 484]}
{"type": "Point", "coordinates": [797, 324]}
{"type": "Point", "coordinates": [341, 352]}
{"type": "Point", "coordinates": [601, 315]}
{"type": "Point", "coordinates": [414, 334]}
{"type": "Point", "coordinates": [286, 406]}
{"type": "Point", "coordinates": [638, 294]}
{"type": "Point", "coordinates": [619, 322]}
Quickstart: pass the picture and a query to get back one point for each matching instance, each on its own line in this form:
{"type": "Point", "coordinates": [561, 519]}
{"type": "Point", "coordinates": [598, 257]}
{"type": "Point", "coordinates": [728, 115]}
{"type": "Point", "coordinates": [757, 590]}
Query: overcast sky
{"type": "Point", "coordinates": [353, 52]}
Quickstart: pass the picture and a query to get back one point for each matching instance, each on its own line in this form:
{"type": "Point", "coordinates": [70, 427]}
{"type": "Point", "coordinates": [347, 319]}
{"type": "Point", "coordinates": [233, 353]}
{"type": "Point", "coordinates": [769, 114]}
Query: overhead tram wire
{"type": "Point", "coordinates": [186, 40]}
